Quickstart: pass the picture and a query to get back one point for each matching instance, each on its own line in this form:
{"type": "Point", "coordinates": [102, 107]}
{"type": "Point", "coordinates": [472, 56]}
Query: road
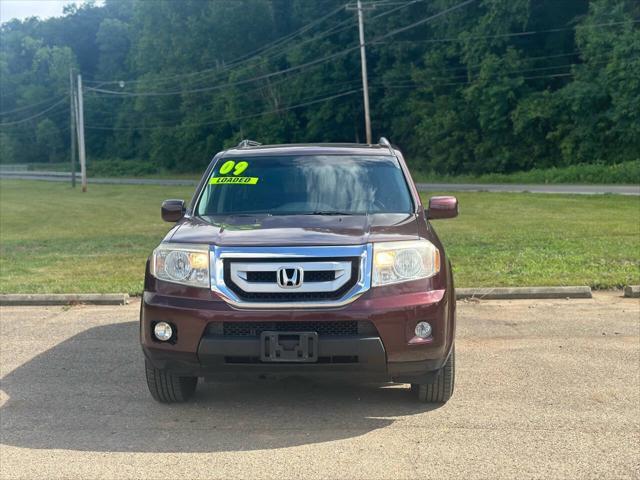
{"type": "Point", "coordinates": [423, 187]}
{"type": "Point", "coordinates": [545, 389]}
{"type": "Point", "coordinates": [65, 177]}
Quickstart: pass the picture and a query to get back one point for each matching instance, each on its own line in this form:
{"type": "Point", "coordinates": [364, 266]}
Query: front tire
{"type": "Point", "coordinates": [441, 390]}
{"type": "Point", "coordinates": [167, 388]}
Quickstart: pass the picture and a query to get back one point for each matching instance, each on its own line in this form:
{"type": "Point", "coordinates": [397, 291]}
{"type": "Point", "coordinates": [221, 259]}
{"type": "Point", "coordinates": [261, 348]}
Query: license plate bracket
{"type": "Point", "coordinates": [289, 347]}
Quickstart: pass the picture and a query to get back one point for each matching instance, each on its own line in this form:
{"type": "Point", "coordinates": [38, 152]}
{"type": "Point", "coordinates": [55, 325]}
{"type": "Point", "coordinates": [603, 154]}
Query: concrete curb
{"type": "Point", "coordinates": [632, 291]}
{"type": "Point", "coordinates": [37, 299]}
{"type": "Point", "coordinates": [523, 293]}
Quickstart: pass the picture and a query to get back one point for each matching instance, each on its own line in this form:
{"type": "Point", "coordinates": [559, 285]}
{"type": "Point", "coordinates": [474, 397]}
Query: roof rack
{"type": "Point", "coordinates": [385, 143]}
{"type": "Point", "coordinates": [248, 143]}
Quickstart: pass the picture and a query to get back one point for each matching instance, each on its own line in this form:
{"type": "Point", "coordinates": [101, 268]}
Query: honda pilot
{"type": "Point", "coordinates": [301, 260]}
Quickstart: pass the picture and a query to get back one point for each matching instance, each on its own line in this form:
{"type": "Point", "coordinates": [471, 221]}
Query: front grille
{"type": "Point", "coordinates": [254, 329]}
{"type": "Point", "coordinates": [310, 277]}
{"type": "Point", "coordinates": [261, 277]}
{"type": "Point", "coordinates": [339, 359]}
{"type": "Point", "coordinates": [313, 276]}
{"type": "Point", "coordinates": [322, 328]}
{"type": "Point", "coordinates": [288, 296]}
{"type": "Point", "coordinates": [269, 277]}
{"type": "Point", "coordinates": [320, 276]}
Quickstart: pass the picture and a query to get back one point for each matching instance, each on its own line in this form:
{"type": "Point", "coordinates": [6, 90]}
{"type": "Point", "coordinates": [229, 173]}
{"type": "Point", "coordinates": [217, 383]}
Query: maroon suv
{"type": "Point", "coordinates": [301, 260]}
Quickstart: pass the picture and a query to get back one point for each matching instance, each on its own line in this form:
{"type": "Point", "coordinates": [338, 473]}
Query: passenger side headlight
{"type": "Point", "coordinates": [186, 264]}
{"type": "Point", "coordinates": [395, 262]}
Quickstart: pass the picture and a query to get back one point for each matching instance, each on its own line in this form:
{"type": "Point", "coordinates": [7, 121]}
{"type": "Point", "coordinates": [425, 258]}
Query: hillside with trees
{"type": "Point", "coordinates": [485, 86]}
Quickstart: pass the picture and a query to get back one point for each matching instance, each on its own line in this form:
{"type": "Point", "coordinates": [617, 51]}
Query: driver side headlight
{"type": "Point", "coordinates": [395, 262]}
{"type": "Point", "coordinates": [186, 264]}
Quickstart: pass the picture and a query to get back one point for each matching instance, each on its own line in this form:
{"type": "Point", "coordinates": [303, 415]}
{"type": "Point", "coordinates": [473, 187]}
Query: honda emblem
{"type": "Point", "coordinates": [290, 277]}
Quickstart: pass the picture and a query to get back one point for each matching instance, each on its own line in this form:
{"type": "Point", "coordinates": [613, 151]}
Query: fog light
{"type": "Point", "coordinates": [423, 330]}
{"type": "Point", "coordinates": [163, 331]}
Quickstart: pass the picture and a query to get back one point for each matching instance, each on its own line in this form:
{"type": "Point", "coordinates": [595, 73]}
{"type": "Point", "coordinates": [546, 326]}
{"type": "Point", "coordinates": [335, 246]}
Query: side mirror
{"type": "Point", "coordinates": [442, 207]}
{"type": "Point", "coordinates": [172, 210]}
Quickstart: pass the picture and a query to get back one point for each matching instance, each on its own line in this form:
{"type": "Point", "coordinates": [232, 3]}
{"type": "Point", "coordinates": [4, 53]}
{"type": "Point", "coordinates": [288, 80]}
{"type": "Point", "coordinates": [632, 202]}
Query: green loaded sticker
{"type": "Point", "coordinates": [234, 169]}
{"type": "Point", "coordinates": [233, 180]}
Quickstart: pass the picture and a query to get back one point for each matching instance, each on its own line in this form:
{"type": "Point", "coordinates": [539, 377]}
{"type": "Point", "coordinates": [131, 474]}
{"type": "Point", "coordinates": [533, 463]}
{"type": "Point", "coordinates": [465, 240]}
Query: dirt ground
{"type": "Point", "coordinates": [543, 389]}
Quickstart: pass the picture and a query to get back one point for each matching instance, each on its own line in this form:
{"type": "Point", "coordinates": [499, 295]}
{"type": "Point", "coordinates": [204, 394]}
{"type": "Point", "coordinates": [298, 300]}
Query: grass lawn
{"type": "Point", "coordinates": [626, 173]}
{"type": "Point", "coordinates": [54, 239]}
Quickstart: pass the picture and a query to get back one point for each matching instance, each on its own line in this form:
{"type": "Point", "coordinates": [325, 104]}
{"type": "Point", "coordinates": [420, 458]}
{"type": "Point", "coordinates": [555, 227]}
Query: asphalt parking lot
{"type": "Point", "coordinates": [543, 389]}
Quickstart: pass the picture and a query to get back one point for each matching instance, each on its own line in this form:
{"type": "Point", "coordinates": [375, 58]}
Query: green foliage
{"type": "Point", "coordinates": [48, 139]}
{"type": "Point", "coordinates": [7, 149]}
{"type": "Point", "coordinates": [121, 168]}
{"type": "Point", "coordinates": [598, 173]}
{"type": "Point", "coordinates": [466, 93]}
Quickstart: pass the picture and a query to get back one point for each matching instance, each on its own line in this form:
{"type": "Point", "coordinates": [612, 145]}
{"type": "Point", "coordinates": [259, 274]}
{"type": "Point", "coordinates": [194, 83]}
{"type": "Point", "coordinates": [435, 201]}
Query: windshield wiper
{"type": "Point", "coordinates": [242, 215]}
{"type": "Point", "coordinates": [328, 212]}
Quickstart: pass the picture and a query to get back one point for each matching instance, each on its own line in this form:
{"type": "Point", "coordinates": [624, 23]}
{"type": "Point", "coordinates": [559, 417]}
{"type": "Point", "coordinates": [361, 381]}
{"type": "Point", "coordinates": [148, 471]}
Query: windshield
{"type": "Point", "coordinates": [306, 185]}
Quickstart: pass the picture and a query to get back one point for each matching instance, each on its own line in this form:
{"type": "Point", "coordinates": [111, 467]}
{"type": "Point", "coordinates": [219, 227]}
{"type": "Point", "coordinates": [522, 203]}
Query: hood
{"type": "Point", "coordinates": [296, 230]}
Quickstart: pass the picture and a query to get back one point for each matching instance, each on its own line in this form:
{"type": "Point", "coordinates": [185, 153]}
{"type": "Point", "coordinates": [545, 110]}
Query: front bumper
{"type": "Point", "coordinates": [394, 354]}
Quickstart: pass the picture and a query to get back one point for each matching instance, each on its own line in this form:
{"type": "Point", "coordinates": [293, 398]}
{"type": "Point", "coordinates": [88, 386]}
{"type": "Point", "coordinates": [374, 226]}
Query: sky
{"type": "Point", "coordinates": [22, 9]}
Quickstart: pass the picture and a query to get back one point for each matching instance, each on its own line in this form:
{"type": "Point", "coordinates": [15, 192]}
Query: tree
{"type": "Point", "coordinates": [496, 86]}
{"type": "Point", "coordinates": [49, 140]}
{"type": "Point", "coordinates": [7, 149]}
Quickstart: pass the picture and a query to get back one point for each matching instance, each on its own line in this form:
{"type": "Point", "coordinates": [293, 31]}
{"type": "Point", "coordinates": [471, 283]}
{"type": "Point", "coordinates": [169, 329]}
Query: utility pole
{"type": "Point", "coordinates": [365, 81]}
{"type": "Point", "coordinates": [72, 129]}
{"type": "Point", "coordinates": [81, 147]}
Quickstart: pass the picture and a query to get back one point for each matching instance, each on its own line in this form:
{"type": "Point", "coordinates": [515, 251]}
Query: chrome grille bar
{"type": "Point", "coordinates": [239, 271]}
{"type": "Point", "coordinates": [322, 258]}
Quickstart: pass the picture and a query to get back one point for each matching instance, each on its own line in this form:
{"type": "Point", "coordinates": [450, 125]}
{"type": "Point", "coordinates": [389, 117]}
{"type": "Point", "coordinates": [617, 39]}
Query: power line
{"type": "Point", "coordinates": [286, 70]}
{"type": "Point", "coordinates": [378, 3]}
{"type": "Point", "coordinates": [527, 59]}
{"type": "Point", "coordinates": [589, 94]}
{"type": "Point", "coordinates": [513, 34]}
{"type": "Point", "coordinates": [271, 51]}
{"type": "Point", "coordinates": [22, 134]}
{"type": "Point", "coordinates": [298, 32]}
{"type": "Point", "coordinates": [507, 72]}
{"type": "Point", "coordinates": [243, 58]}
{"type": "Point", "coordinates": [269, 75]}
{"type": "Point", "coordinates": [27, 107]}
{"type": "Point", "coordinates": [524, 59]}
{"type": "Point", "coordinates": [408, 82]}
{"type": "Point", "coordinates": [417, 85]}
{"type": "Point", "coordinates": [242, 117]}
{"type": "Point", "coordinates": [536, 69]}
{"type": "Point", "coordinates": [392, 10]}
{"type": "Point", "coordinates": [243, 94]}
{"type": "Point", "coordinates": [363, 60]}
{"type": "Point", "coordinates": [385, 4]}
{"type": "Point", "coordinates": [52, 114]}
{"type": "Point", "coordinates": [424, 20]}
{"type": "Point", "coordinates": [39, 114]}
{"type": "Point", "coordinates": [332, 31]}
{"type": "Point", "coordinates": [345, 24]}
{"type": "Point", "coordinates": [230, 84]}
{"type": "Point", "coordinates": [348, 84]}
{"type": "Point", "coordinates": [375, 41]}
